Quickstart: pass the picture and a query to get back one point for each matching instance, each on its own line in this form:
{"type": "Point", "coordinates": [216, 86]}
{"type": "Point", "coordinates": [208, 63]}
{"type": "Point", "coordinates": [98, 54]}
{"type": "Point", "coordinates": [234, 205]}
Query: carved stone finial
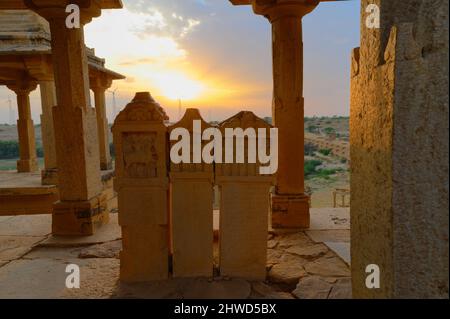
{"type": "Point", "coordinates": [142, 108]}
{"type": "Point", "coordinates": [143, 97]}
{"type": "Point", "coordinates": [244, 119]}
{"type": "Point", "coordinates": [186, 121]}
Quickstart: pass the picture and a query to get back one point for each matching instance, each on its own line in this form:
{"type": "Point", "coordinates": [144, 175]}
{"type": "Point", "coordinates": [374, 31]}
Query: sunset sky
{"type": "Point", "coordinates": [216, 57]}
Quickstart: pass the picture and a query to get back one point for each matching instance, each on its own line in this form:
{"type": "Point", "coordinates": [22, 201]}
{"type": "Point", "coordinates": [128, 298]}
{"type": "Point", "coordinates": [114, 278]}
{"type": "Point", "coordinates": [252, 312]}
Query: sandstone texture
{"type": "Point", "coordinates": [399, 151]}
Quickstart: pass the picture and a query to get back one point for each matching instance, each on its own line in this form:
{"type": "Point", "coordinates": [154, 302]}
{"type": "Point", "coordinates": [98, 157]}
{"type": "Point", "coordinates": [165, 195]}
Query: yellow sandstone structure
{"type": "Point", "coordinates": [25, 56]}
{"type": "Point", "coordinates": [290, 203]}
{"type": "Point", "coordinates": [49, 175]}
{"type": "Point", "coordinates": [192, 207]}
{"type": "Point", "coordinates": [74, 142]}
{"type": "Point", "coordinates": [140, 140]}
{"type": "Point", "coordinates": [244, 207]}
{"type": "Point", "coordinates": [25, 125]}
{"type": "Point", "coordinates": [142, 184]}
{"type": "Point", "coordinates": [399, 151]}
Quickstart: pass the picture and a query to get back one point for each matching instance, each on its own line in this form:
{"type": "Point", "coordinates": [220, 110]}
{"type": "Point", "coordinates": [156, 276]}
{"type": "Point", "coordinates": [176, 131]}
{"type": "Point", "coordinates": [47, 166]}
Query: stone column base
{"type": "Point", "coordinates": [106, 166]}
{"type": "Point", "coordinates": [49, 176]}
{"type": "Point", "coordinates": [71, 218]}
{"type": "Point", "coordinates": [26, 166]}
{"type": "Point", "coordinates": [290, 211]}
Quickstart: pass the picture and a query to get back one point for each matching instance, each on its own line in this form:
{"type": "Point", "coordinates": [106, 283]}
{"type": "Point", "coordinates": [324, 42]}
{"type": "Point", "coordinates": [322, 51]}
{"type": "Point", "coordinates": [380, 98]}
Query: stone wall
{"type": "Point", "coordinates": [399, 150]}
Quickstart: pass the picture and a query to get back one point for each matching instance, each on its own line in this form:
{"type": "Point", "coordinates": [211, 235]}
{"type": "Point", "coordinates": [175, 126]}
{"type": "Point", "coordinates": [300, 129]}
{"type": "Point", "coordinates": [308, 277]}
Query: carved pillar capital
{"type": "Point", "coordinates": [99, 84]}
{"type": "Point", "coordinates": [39, 67]}
{"type": "Point", "coordinates": [277, 9]}
{"type": "Point", "coordinates": [23, 86]}
{"type": "Point", "coordinates": [89, 9]}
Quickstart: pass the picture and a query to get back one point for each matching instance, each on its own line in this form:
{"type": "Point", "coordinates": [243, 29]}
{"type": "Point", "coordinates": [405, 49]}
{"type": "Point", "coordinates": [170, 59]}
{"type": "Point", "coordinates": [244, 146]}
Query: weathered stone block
{"type": "Point", "coordinates": [192, 209]}
{"type": "Point", "coordinates": [80, 217]}
{"type": "Point", "coordinates": [144, 256]}
{"type": "Point", "coordinates": [399, 152]}
{"type": "Point", "coordinates": [290, 211]}
{"type": "Point", "coordinates": [192, 228]}
{"type": "Point", "coordinates": [244, 208]}
{"type": "Point", "coordinates": [49, 176]}
{"type": "Point", "coordinates": [142, 186]}
{"type": "Point", "coordinates": [243, 228]}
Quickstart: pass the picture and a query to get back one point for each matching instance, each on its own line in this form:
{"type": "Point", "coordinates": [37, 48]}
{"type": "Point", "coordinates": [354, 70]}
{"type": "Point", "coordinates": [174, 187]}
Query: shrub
{"type": "Point", "coordinates": [325, 152]}
{"type": "Point", "coordinates": [310, 149]}
{"type": "Point", "coordinates": [312, 128]}
{"type": "Point", "coordinates": [310, 167]}
{"type": "Point", "coordinates": [326, 173]}
{"type": "Point", "coordinates": [329, 130]}
{"type": "Point", "coordinates": [312, 171]}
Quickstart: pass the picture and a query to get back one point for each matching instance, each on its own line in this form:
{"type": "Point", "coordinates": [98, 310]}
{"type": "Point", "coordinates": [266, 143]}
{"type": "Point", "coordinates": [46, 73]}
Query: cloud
{"type": "Point", "coordinates": [220, 50]}
{"type": "Point", "coordinates": [119, 36]}
{"type": "Point", "coordinates": [190, 26]}
{"type": "Point", "coordinates": [164, 18]}
{"type": "Point", "coordinates": [145, 44]}
{"type": "Point", "coordinates": [153, 42]}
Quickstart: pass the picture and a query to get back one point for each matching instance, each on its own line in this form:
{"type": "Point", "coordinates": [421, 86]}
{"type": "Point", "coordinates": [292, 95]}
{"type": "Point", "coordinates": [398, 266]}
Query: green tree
{"type": "Point", "coordinates": [9, 149]}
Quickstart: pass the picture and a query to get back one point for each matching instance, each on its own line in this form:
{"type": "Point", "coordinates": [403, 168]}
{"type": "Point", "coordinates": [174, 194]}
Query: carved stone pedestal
{"type": "Point", "coordinates": [79, 217]}
{"type": "Point", "coordinates": [192, 209]}
{"type": "Point", "coordinates": [290, 211]}
{"type": "Point", "coordinates": [141, 183]}
{"type": "Point", "coordinates": [49, 176]}
{"type": "Point", "coordinates": [29, 165]}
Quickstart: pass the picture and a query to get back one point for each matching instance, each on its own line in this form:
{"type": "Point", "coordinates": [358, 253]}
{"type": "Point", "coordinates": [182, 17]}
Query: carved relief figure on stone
{"type": "Point", "coordinates": [140, 155]}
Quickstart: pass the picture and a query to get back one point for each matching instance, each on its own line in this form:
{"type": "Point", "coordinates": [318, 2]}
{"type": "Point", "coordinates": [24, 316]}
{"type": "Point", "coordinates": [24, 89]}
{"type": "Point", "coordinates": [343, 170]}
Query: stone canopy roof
{"type": "Point", "coordinates": [24, 33]}
{"type": "Point", "coordinates": [19, 4]}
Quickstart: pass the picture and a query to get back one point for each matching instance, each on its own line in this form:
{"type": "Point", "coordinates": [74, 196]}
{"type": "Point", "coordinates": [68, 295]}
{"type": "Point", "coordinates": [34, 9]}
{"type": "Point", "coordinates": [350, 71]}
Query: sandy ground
{"type": "Point", "coordinates": [322, 189]}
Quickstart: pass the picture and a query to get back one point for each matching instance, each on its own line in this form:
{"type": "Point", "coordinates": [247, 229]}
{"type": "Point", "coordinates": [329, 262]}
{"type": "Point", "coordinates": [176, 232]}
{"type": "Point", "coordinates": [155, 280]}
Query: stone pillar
{"type": "Point", "coordinates": [399, 125]}
{"type": "Point", "coordinates": [290, 203]}
{"type": "Point", "coordinates": [25, 127]}
{"type": "Point", "coordinates": [81, 207]}
{"type": "Point", "coordinates": [49, 175]}
{"type": "Point", "coordinates": [192, 208]}
{"type": "Point", "coordinates": [244, 208]}
{"type": "Point", "coordinates": [140, 140]}
{"type": "Point", "coordinates": [99, 88]}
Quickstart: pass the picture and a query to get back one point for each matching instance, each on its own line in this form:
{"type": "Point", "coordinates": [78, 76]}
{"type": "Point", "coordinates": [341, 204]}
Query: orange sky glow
{"type": "Point", "coordinates": [216, 57]}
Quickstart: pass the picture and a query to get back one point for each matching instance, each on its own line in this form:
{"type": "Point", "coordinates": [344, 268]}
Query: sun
{"type": "Point", "coordinates": [177, 86]}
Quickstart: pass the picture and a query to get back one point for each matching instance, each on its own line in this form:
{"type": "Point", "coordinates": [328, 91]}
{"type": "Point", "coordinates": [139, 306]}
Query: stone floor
{"type": "Point", "coordinates": [309, 264]}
